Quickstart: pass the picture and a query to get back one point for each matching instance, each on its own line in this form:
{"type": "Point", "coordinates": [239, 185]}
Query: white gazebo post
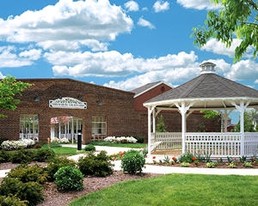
{"type": "Point", "coordinates": [183, 110]}
{"type": "Point", "coordinates": [150, 110]}
{"type": "Point", "coordinates": [241, 108]}
{"type": "Point", "coordinates": [154, 121]}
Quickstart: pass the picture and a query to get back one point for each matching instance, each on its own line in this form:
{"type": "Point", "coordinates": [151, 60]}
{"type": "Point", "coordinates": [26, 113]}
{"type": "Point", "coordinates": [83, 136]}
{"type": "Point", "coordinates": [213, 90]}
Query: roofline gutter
{"type": "Point", "coordinates": [191, 100]}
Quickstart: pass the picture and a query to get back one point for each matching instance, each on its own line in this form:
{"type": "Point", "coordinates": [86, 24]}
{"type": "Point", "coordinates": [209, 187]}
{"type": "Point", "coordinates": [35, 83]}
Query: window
{"type": "Point", "coordinates": [29, 126]}
{"type": "Point", "coordinates": [99, 125]}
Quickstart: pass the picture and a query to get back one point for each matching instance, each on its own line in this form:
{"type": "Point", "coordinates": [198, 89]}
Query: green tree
{"type": "Point", "coordinates": [210, 114]}
{"type": "Point", "coordinates": [249, 122]}
{"type": "Point", "coordinates": [236, 19]}
{"type": "Point", "coordinates": [160, 127]}
{"type": "Point", "coordinates": [10, 88]}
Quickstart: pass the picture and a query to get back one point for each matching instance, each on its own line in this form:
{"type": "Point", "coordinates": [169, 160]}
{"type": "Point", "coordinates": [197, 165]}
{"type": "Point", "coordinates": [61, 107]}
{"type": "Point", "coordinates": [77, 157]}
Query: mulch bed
{"type": "Point", "coordinates": [52, 197]}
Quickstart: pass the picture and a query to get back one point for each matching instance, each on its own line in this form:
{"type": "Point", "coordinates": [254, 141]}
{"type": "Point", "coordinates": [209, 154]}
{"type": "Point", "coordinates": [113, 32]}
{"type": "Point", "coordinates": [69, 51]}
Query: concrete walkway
{"type": "Point", "coordinates": [161, 169]}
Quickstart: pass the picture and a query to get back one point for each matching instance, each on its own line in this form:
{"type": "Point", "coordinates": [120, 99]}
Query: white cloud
{"type": "Point", "coordinates": [167, 75]}
{"type": "Point", "coordinates": [88, 23]}
{"type": "Point", "coordinates": [243, 70]}
{"type": "Point", "coordinates": [33, 54]}
{"type": "Point", "coordinates": [132, 6]}
{"type": "Point", "coordinates": [172, 67]}
{"type": "Point", "coordinates": [145, 23]}
{"type": "Point", "coordinates": [218, 47]}
{"type": "Point", "coordinates": [160, 6]}
{"type": "Point", "coordinates": [198, 4]}
{"type": "Point", "coordinates": [11, 57]}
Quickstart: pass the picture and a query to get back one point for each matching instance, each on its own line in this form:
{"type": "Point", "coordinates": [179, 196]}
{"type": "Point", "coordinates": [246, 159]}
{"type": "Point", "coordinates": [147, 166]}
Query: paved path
{"type": "Point", "coordinates": [163, 169]}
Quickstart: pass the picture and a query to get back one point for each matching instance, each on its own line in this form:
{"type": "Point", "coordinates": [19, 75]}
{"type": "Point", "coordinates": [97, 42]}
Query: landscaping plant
{"type": "Point", "coordinates": [11, 201]}
{"type": "Point", "coordinates": [26, 173]}
{"type": "Point", "coordinates": [97, 165]}
{"type": "Point", "coordinates": [44, 154]}
{"type": "Point", "coordinates": [90, 148]}
{"type": "Point", "coordinates": [55, 164]}
{"type": "Point", "coordinates": [29, 191]}
{"type": "Point", "coordinates": [69, 178]}
{"type": "Point", "coordinates": [133, 162]}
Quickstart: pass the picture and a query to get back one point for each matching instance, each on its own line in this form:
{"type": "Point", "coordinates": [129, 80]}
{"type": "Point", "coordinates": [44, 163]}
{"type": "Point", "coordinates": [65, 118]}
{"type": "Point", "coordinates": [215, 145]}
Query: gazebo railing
{"type": "Point", "coordinates": [213, 144]}
{"type": "Point", "coordinates": [170, 140]}
{"type": "Point", "coordinates": [251, 143]}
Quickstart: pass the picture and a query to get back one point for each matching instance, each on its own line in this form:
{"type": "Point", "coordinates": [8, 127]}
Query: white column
{"type": "Point", "coordinates": [149, 131]}
{"type": "Point", "coordinates": [183, 110]}
{"type": "Point", "coordinates": [241, 108]}
{"type": "Point", "coordinates": [154, 121]}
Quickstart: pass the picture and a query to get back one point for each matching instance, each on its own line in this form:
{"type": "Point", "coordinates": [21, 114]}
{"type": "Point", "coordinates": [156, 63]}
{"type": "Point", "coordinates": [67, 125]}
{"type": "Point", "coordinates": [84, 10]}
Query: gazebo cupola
{"type": "Point", "coordinates": [207, 67]}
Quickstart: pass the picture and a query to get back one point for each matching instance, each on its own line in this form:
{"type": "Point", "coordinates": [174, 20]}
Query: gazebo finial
{"type": "Point", "coordinates": [207, 67]}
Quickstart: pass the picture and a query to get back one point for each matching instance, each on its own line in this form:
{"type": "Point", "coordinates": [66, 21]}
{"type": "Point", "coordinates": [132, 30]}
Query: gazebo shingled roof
{"type": "Point", "coordinates": [208, 86]}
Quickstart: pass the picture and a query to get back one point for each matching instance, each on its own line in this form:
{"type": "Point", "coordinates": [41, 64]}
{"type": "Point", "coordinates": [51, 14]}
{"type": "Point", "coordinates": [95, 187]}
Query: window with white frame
{"type": "Point", "coordinates": [99, 125]}
{"type": "Point", "coordinates": [29, 126]}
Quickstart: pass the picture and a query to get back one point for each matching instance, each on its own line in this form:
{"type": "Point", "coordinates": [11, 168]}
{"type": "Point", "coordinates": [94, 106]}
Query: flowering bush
{"type": "Point", "coordinates": [61, 141]}
{"type": "Point", "coordinates": [17, 144]}
{"type": "Point", "coordinates": [121, 139]}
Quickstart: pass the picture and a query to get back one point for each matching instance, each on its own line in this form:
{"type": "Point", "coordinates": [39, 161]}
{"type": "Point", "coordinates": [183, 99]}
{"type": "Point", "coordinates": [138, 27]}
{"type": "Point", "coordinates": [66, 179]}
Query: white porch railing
{"type": "Point", "coordinates": [170, 140]}
{"type": "Point", "coordinates": [214, 144]}
{"type": "Point", "coordinates": [251, 143]}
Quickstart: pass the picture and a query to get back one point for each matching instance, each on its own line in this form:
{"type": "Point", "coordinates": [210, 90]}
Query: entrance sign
{"type": "Point", "coordinates": [67, 103]}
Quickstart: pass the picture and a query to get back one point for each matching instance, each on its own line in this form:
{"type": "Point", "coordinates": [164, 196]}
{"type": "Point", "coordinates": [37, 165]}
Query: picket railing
{"type": "Point", "coordinates": [170, 140]}
{"type": "Point", "coordinates": [214, 144]}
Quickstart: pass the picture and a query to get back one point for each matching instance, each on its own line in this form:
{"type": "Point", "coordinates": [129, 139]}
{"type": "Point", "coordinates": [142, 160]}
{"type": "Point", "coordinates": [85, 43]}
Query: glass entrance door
{"type": "Point", "coordinates": [65, 128]}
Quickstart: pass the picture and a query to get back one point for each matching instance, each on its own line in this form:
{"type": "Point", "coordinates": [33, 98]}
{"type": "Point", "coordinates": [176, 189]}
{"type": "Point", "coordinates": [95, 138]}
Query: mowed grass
{"type": "Point", "coordinates": [110, 144]}
{"type": "Point", "coordinates": [64, 151]}
{"type": "Point", "coordinates": [177, 190]}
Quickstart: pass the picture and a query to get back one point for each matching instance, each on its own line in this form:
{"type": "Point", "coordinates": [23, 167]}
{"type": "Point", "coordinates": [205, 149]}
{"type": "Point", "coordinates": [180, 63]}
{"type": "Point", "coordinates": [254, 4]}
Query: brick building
{"type": "Point", "coordinates": [65, 107]}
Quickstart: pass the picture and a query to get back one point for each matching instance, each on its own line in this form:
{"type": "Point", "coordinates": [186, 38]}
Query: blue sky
{"type": "Point", "coordinates": [116, 43]}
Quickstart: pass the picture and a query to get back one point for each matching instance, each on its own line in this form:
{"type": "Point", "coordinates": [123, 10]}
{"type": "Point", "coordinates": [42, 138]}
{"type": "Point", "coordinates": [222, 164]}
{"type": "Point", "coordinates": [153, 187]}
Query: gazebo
{"type": "Point", "coordinates": [208, 91]}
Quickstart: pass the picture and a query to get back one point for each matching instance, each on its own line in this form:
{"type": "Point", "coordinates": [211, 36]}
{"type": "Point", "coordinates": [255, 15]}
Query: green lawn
{"type": "Point", "coordinates": [110, 144]}
{"type": "Point", "coordinates": [178, 190]}
{"type": "Point", "coordinates": [64, 151]}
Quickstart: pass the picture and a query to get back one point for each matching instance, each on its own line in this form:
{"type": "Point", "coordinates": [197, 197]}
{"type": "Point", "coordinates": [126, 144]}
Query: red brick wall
{"type": "Point", "coordinates": [139, 100]}
{"type": "Point", "coordinates": [115, 105]}
{"type": "Point", "coordinates": [125, 115]}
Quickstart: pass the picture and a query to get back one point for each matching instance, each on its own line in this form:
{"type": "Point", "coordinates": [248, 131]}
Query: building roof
{"type": "Point", "coordinates": [140, 90]}
{"type": "Point", "coordinates": [207, 86]}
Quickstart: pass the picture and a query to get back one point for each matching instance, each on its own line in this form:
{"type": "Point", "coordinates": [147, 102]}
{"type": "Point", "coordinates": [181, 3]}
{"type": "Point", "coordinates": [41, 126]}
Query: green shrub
{"type": "Point", "coordinates": [30, 191]}
{"type": "Point", "coordinates": [56, 164]}
{"type": "Point", "coordinates": [211, 164]}
{"type": "Point", "coordinates": [140, 139]}
{"type": "Point", "coordinates": [185, 164]}
{"type": "Point", "coordinates": [22, 156]}
{"type": "Point", "coordinates": [11, 201]}
{"type": "Point", "coordinates": [69, 179]}
{"type": "Point", "coordinates": [96, 165]}
{"type": "Point", "coordinates": [133, 162]}
{"type": "Point", "coordinates": [26, 173]}
{"type": "Point", "coordinates": [186, 157]}
{"type": "Point", "coordinates": [248, 164]}
{"type": "Point", "coordinates": [44, 154]}
{"type": "Point", "coordinates": [4, 156]}
{"type": "Point", "coordinates": [90, 148]}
